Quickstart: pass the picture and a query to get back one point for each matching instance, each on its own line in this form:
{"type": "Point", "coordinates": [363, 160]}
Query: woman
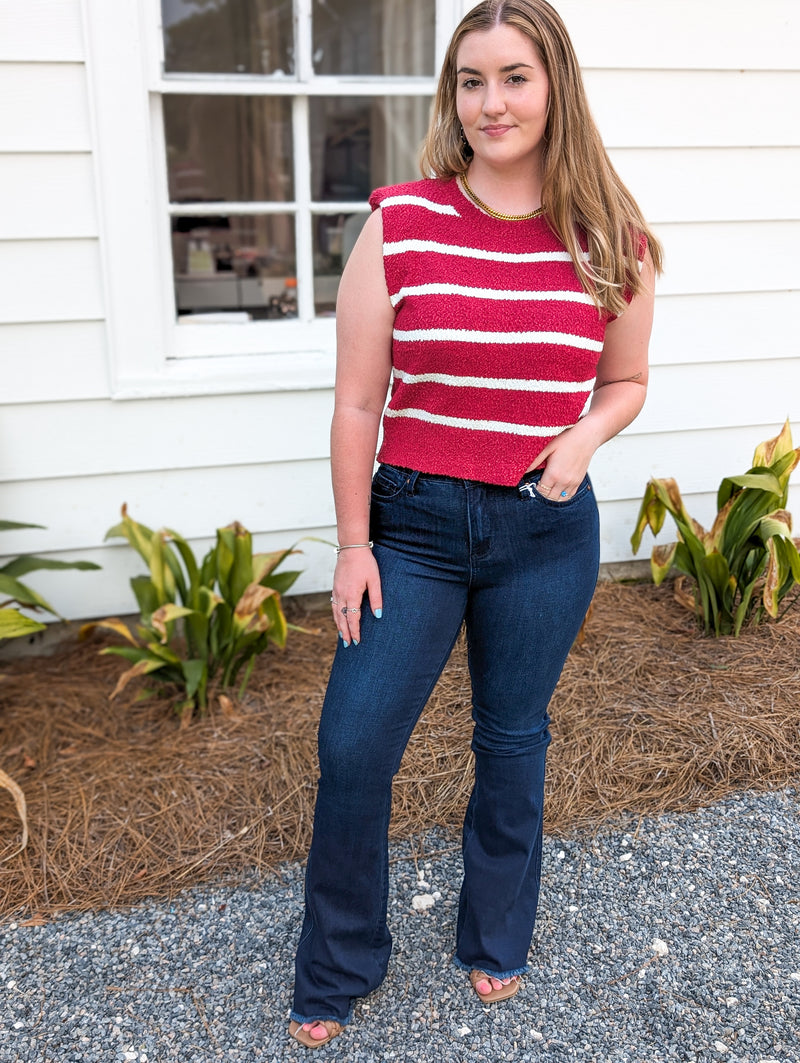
{"type": "Point", "coordinates": [508, 298]}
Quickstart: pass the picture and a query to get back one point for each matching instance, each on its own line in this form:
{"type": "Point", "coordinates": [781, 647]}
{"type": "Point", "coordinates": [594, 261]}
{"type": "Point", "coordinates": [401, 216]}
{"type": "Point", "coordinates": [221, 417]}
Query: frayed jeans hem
{"type": "Point", "coordinates": [485, 970]}
{"type": "Point", "coordinates": [295, 1016]}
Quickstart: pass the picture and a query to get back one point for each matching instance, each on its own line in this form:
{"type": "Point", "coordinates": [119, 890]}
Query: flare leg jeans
{"type": "Point", "coordinates": [519, 570]}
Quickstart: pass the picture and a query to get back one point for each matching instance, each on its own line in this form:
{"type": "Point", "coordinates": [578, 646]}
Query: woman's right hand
{"type": "Point", "coordinates": [356, 573]}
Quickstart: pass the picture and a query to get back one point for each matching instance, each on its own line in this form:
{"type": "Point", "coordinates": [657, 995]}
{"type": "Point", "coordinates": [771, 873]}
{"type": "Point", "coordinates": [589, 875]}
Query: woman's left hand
{"type": "Point", "coordinates": [566, 462]}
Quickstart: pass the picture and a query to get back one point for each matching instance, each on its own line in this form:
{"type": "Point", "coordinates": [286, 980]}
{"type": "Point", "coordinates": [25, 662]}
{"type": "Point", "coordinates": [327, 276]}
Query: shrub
{"type": "Point", "coordinates": [13, 623]}
{"type": "Point", "coordinates": [747, 563]}
{"type": "Point", "coordinates": [200, 624]}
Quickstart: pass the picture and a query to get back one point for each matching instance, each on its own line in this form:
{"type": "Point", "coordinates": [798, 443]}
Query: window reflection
{"type": "Point", "coordinates": [334, 238]}
{"type": "Point", "coordinates": [228, 36]}
{"type": "Point", "coordinates": [389, 37]}
{"type": "Point", "coordinates": [242, 264]}
{"type": "Point", "coordinates": [234, 148]}
{"type": "Point", "coordinates": [360, 142]}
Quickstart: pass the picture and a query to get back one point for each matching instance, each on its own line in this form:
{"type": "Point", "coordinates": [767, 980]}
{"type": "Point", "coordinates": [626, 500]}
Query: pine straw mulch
{"type": "Point", "coordinates": [124, 803]}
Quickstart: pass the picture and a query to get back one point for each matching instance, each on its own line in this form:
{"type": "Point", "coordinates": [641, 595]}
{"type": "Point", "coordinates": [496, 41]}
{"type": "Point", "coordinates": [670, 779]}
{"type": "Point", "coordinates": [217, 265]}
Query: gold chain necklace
{"type": "Point", "coordinates": [496, 213]}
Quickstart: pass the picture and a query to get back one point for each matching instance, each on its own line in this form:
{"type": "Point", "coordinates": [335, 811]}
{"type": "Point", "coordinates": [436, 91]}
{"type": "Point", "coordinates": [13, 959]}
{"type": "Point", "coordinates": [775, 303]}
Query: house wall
{"type": "Point", "coordinates": [695, 102]}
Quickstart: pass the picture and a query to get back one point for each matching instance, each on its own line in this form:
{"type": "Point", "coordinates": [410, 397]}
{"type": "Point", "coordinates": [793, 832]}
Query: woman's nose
{"type": "Point", "coordinates": [494, 101]}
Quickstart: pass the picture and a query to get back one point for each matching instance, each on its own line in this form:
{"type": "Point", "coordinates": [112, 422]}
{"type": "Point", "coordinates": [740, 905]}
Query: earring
{"type": "Point", "coordinates": [466, 147]}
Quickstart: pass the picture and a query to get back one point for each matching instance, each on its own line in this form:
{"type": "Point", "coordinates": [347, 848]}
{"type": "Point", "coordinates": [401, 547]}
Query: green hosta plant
{"type": "Point", "coordinates": [748, 562]}
{"type": "Point", "coordinates": [13, 623]}
{"type": "Point", "coordinates": [201, 624]}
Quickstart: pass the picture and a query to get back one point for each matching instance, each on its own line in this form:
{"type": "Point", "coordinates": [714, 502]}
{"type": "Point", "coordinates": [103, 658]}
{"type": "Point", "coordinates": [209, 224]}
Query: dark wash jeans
{"type": "Point", "coordinates": [520, 570]}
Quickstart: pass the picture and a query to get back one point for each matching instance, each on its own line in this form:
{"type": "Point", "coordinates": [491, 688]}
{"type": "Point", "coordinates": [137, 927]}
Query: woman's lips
{"type": "Point", "coordinates": [495, 130]}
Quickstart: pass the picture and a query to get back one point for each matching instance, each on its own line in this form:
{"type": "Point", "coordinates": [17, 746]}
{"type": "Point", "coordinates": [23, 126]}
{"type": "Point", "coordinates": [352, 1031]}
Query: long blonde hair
{"type": "Point", "coordinates": [581, 190]}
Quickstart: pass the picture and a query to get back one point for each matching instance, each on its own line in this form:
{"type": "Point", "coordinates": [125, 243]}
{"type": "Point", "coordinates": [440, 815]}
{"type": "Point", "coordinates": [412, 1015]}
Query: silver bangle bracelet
{"type": "Point", "coordinates": [353, 546]}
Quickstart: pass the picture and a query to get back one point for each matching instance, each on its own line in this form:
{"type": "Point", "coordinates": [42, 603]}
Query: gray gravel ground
{"type": "Point", "coordinates": [676, 939]}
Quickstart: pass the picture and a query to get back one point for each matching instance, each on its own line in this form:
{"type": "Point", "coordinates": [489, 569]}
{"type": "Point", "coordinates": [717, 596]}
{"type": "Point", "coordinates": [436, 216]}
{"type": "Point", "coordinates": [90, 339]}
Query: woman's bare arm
{"type": "Point", "coordinates": [364, 322]}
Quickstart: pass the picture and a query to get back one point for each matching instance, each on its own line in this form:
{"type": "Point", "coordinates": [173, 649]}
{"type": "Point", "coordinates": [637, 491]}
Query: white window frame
{"type": "Point", "coordinates": [151, 354]}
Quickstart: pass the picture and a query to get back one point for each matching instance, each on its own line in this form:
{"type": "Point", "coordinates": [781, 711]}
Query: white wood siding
{"type": "Point", "coordinates": [697, 102]}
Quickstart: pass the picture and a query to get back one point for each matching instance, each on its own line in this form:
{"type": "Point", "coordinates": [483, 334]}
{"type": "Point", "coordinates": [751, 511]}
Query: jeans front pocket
{"type": "Point", "coordinates": [388, 482]}
{"type": "Point", "coordinates": [529, 488]}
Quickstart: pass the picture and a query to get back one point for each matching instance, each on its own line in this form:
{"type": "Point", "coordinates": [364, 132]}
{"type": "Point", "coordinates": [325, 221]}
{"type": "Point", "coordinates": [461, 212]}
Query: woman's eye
{"type": "Point", "coordinates": [517, 79]}
{"type": "Point", "coordinates": [470, 83]}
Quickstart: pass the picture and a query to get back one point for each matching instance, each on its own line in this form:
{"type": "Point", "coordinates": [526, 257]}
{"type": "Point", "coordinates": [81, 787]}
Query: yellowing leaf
{"type": "Point", "coordinates": [661, 561]}
{"type": "Point", "coordinates": [252, 598]}
{"type": "Point", "coordinates": [8, 783]}
{"type": "Point", "coordinates": [165, 615]}
{"type": "Point", "coordinates": [143, 667]}
{"type": "Point", "coordinates": [112, 624]}
{"type": "Point", "coordinates": [772, 449]}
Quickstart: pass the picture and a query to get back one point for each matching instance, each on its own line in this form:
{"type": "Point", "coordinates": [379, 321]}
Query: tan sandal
{"type": "Point", "coordinates": [332, 1027]}
{"type": "Point", "coordinates": [503, 993]}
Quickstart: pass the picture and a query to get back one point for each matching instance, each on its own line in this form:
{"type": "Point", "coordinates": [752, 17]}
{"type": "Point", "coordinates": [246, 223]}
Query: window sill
{"type": "Point", "coordinates": [229, 374]}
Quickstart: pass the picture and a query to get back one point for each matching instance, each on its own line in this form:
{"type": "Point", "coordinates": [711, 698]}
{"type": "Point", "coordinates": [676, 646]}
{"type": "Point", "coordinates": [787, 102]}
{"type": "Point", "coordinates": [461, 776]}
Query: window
{"type": "Point", "coordinates": [234, 196]}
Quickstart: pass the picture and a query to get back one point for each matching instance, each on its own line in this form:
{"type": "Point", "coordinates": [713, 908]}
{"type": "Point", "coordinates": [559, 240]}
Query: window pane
{"type": "Point", "coordinates": [334, 237]}
{"type": "Point", "coordinates": [374, 37]}
{"type": "Point", "coordinates": [233, 148]}
{"type": "Point", "coordinates": [228, 36]}
{"type": "Point", "coordinates": [243, 264]}
{"type": "Point", "coordinates": [360, 142]}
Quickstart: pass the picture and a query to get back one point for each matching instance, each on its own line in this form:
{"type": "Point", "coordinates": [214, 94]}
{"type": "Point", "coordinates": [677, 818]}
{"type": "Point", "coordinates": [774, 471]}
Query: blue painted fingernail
{"type": "Point", "coordinates": [379, 613]}
{"type": "Point", "coordinates": [355, 642]}
{"type": "Point", "coordinates": [345, 643]}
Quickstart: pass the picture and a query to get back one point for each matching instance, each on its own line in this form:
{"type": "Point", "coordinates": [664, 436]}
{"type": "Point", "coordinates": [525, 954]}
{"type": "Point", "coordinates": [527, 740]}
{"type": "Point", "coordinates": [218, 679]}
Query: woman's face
{"type": "Point", "coordinates": [502, 97]}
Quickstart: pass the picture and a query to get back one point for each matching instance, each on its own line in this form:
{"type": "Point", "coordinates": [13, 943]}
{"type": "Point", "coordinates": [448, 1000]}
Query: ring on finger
{"type": "Point", "coordinates": [333, 601]}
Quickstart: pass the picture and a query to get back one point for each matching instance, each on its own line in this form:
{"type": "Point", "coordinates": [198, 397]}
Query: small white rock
{"type": "Point", "coordinates": [720, 1047]}
{"type": "Point", "coordinates": [731, 1001]}
{"type": "Point", "coordinates": [18, 1025]}
{"type": "Point", "coordinates": [626, 856]}
{"type": "Point", "coordinates": [561, 855]}
{"type": "Point", "coordinates": [762, 904]}
{"type": "Point", "coordinates": [573, 908]}
{"type": "Point", "coordinates": [795, 975]}
{"type": "Point", "coordinates": [659, 947]}
{"type": "Point", "coordinates": [536, 1036]}
{"type": "Point", "coordinates": [11, 984]}
{"type": "Point", "coordinates": [135, 950]}
{"type": "Point", "coordinates": [421, 901]}
{"type": "Point", "coordinates": [436, 895]}
{"type": "Point", "coordinates": [464, 1031]}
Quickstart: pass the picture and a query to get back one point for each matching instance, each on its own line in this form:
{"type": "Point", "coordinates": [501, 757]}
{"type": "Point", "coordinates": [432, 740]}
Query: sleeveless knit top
{"type": "Point", "coordinates": [495, 343]}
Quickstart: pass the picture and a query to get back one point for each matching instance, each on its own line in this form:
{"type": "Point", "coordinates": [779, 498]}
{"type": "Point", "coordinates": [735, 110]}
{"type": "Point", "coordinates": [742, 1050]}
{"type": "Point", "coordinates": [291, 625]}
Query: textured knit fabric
{"type": "Point", "coordinates": [495, 343]}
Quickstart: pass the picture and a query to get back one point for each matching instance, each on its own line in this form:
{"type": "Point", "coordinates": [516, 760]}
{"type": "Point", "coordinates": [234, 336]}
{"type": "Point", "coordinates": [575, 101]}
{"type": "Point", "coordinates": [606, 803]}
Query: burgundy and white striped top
{"type": "Point", "coordinates": [495, 343]}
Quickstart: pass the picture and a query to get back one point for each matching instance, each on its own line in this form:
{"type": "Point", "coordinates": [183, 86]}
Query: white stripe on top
{"type": "Point", "coordinates": [495, 383]}
{"type": "Point", "coordinates": [399, 247]}
{"type": "Point", "coordinates": [420, 201]}
{"type": "Point", "coordinates": [563, 339]}
{"type": "Point", "coordinates": [491, 293]}
{"type": "Point", "coordinates": [479, 426]}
